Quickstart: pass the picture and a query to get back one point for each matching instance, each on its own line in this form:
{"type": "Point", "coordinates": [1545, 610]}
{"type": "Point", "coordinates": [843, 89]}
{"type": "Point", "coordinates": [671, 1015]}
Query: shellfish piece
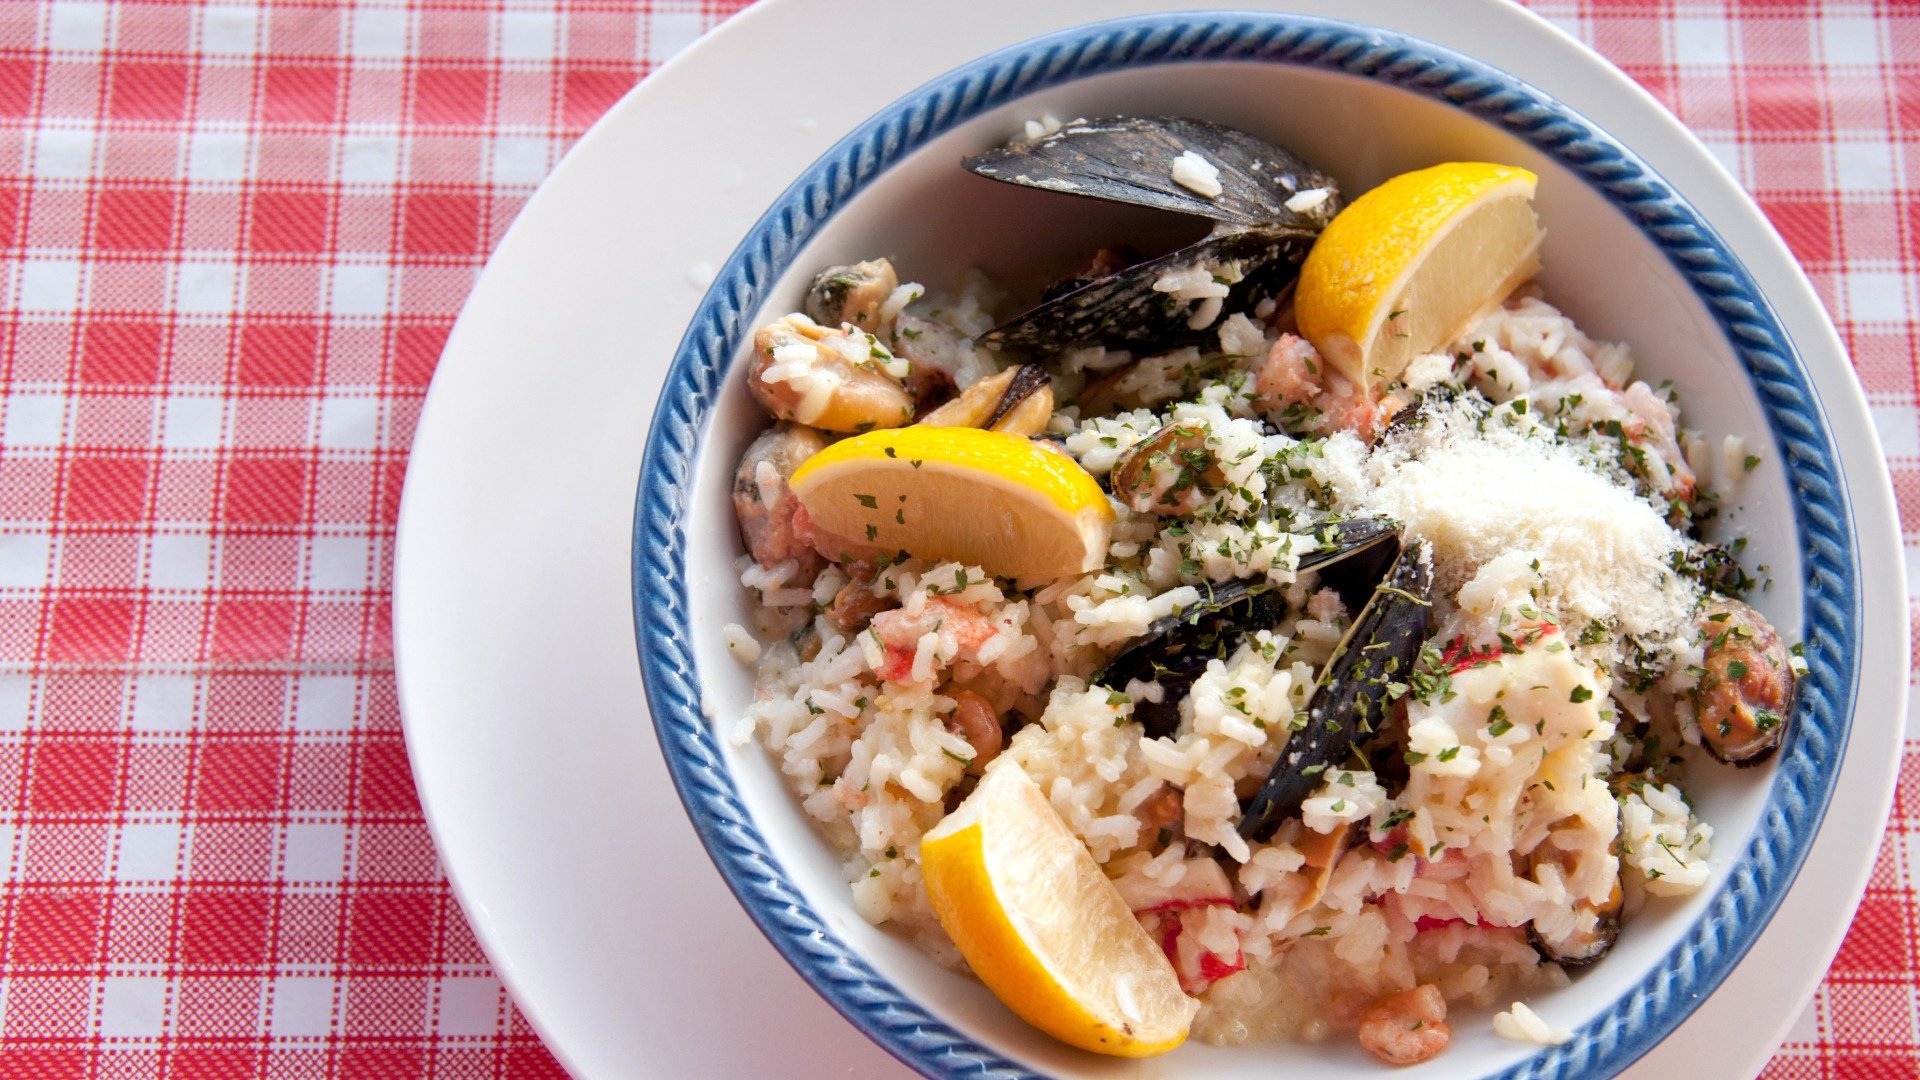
{"type": "Point", "coordinates": [1175, 649]}
{"type": "Point", "coordinates": [840, 379]}
{"type": "Point", "coordinates": [851, 294]}
{"type": "Point", "coordinates": [1104, 262]}
{"type": "Point", "coordinates": [1745, 699]}
{"type": "Point", "coordinates": [1019, 400]}
{"type": "Point", "coordinates": [1355, 693]}
{"type": "Point", "coordinates": [1155, 305]}
{"type": "Point", "coordinates": [764, 503]}
{"type": "Point", "coordinates": [1164, 162]}
{"type": "Point", "coordinates": [1585, 947]}
{"type": "Point", "coordinates": [1323, 852]}
{"type": "Point", "coordinates": [1171, 472]}
{"type": "Point", "coordinates": [1268, 206]}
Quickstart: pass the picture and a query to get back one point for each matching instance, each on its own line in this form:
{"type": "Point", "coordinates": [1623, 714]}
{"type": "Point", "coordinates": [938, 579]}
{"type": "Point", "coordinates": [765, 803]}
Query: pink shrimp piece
{"type": "Point", "coordinates": [1343, 407]}
{"type": "Point", "coordinates": [1293, 379]}
{"type": "Point", "coordinates": [1290, 375]}
{"type": "Point", "coordinates": [1652, 426]}
{"type": "Point", "coordinates": [833, 548]}
{"type": "Point", "coordinates": [970, 628]}
{"type": "Point", "coordinates": [900, 633]}
{"type": "Point", "coordinates": [848, 796]}
{"type": "Point", "coordinates": [1175, 918]}
{"type": "Point", "coordinates": [1407, 1028]}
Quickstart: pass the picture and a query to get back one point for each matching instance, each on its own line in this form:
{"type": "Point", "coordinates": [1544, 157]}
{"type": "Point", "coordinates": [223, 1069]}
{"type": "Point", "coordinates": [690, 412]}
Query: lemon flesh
{"type": "Point", "coordinates": [1412, 264]}
{"type": "Point", "coordinates": [1011, 506]}
{"type": "Point", "coordinates": [1044, 928]}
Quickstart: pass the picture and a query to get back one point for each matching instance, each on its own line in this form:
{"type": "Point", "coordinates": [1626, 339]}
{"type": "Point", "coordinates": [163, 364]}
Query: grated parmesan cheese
{"type": "Point", "coordinates": [1494, 494]}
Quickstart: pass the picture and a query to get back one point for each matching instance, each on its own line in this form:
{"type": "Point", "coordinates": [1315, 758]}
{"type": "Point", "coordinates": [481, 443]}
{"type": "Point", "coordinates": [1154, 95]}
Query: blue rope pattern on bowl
{"type": "Point", "coordinates": [1803, 782]}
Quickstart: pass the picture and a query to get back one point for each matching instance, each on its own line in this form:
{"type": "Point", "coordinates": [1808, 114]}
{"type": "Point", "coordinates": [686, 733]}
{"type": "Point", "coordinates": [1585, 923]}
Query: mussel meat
{"type": "Point", "coordinates": [1267, 204]}
{"type": "Point", "coordinates": [1171, 472]}
{"type": "Point", "coordinates": [1351, 703]}
{"type": "Point", "coordinates": [851, 294]}
{"type": "Point", "coordinates": [1018, 400]}
{"type": "Point", "coordinates": [764, 503]}
{"type": "Point", "coordinates": [1745, 697]}
{"type": "Point", "coordinates": [1175, 649]}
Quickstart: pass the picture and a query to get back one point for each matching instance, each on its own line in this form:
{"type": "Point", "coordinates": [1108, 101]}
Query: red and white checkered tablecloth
{"type": "Point", "coordinates": [232, 241]}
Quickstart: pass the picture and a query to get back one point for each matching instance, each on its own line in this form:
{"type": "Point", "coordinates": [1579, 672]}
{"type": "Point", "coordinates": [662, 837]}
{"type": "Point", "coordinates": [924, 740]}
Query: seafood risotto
{"type": "Point", "coordinates": [1330, 591]}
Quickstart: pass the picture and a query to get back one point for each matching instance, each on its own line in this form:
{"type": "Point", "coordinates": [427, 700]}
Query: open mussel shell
{"type": "Point", "coordinates": [1744, 700]}
{"type": "Point", "coordinates": [1352, 556]}
{"type": "Point", "coordinates": [1175, 649]}
{"type": "Point", "coordinates": [1130, 160]}
{"type": "Point", "coordinates": [1351, 705]}
{"type": "Point", "coordinates": [1018, 400]}
{"type": "Point", "coordinates": [1581, 949]}
{"type": "Point", "coordinates": [1124, 311]}
{"type": "Point", "coordinates": [1420, 412]}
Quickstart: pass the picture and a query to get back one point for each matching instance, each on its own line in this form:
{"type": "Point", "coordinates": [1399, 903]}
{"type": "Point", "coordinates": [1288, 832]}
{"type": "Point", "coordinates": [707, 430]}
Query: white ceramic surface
{"type": "Point", "coordinates": [535, 761]}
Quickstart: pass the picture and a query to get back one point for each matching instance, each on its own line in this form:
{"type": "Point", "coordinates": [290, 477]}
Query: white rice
{"type": "Point", "coordinates": [1522, 1024]}
{"type": "Point", "coordinates": [1198, 175]}
{"type": "Point", "coordinates": [741, 643]}
{"type": "Point", "coordinates": [1507, 816]}
{"type": "Point", "coordinates": [1302, 201]}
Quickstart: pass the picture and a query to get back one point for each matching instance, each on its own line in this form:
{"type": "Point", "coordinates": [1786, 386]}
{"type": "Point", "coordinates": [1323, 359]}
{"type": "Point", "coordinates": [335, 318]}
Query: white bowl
{"type": "Point", "coordinates": [1625, 256]}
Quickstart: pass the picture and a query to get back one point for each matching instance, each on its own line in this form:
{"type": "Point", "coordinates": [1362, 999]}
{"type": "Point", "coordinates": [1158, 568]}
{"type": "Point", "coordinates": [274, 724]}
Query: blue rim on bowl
{"type": "Point", "coordinates": [1807, 769]}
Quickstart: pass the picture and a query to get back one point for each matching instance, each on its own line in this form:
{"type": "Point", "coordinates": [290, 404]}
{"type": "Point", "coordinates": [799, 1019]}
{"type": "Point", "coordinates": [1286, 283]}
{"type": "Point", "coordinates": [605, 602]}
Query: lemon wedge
{"type": "Point", "coordinates": [1411, 264]}
{"type": "Point", "coordinates": [1014, 507]}
{"type": "Point", "coordinates": [1044, 928]}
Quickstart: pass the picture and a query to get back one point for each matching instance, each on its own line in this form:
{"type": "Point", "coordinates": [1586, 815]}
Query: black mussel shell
{"type": "Point", "coordinates": [1586, 952]}
{"type": "Point", "coordinates": [1353, 556]}
{"type": "Point", "coordinates": [1106, 261]}
{"type": "Point", "coordinates": [1028, 380]}
{"type": "Point", "coordinates": [1351, 706]}
{"type": "Point", "coordinates": [1124, 311]}
{"type": "Point", "coordinates": [1583, 950]}
{"type": "Point", "coordinates": [1130, 160]}
{"type": "Point", "coordinates": [1175, 649]}
{"type": "Point", "coordinates": [1421, 411]}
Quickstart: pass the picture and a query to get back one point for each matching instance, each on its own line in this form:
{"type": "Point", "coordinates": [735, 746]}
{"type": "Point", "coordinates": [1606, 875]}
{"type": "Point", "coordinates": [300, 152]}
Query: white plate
{"type": "Point", "coordinates": [523, 706]}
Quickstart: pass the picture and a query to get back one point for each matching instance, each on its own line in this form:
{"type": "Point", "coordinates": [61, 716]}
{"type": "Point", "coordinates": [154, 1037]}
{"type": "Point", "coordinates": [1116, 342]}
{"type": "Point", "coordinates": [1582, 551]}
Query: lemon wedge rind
{"type": "Point", "coordinates": [1411, 264]}
{"type": "Point", "coordinates": [1043, 927]}
{"type": "Point", "coordinates": [1014, 507]}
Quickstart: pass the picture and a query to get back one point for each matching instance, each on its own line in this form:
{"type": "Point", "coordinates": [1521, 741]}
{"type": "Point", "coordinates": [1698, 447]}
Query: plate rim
{"type": "Point", "coordinates": [1760, 882]}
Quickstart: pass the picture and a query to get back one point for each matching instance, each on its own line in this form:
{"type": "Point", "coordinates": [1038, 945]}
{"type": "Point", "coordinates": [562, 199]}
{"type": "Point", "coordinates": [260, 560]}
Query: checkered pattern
{"type": "Point", "coordinates": [1816, 108]}
{"type": "Point", "coordinates": [232, 241]}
